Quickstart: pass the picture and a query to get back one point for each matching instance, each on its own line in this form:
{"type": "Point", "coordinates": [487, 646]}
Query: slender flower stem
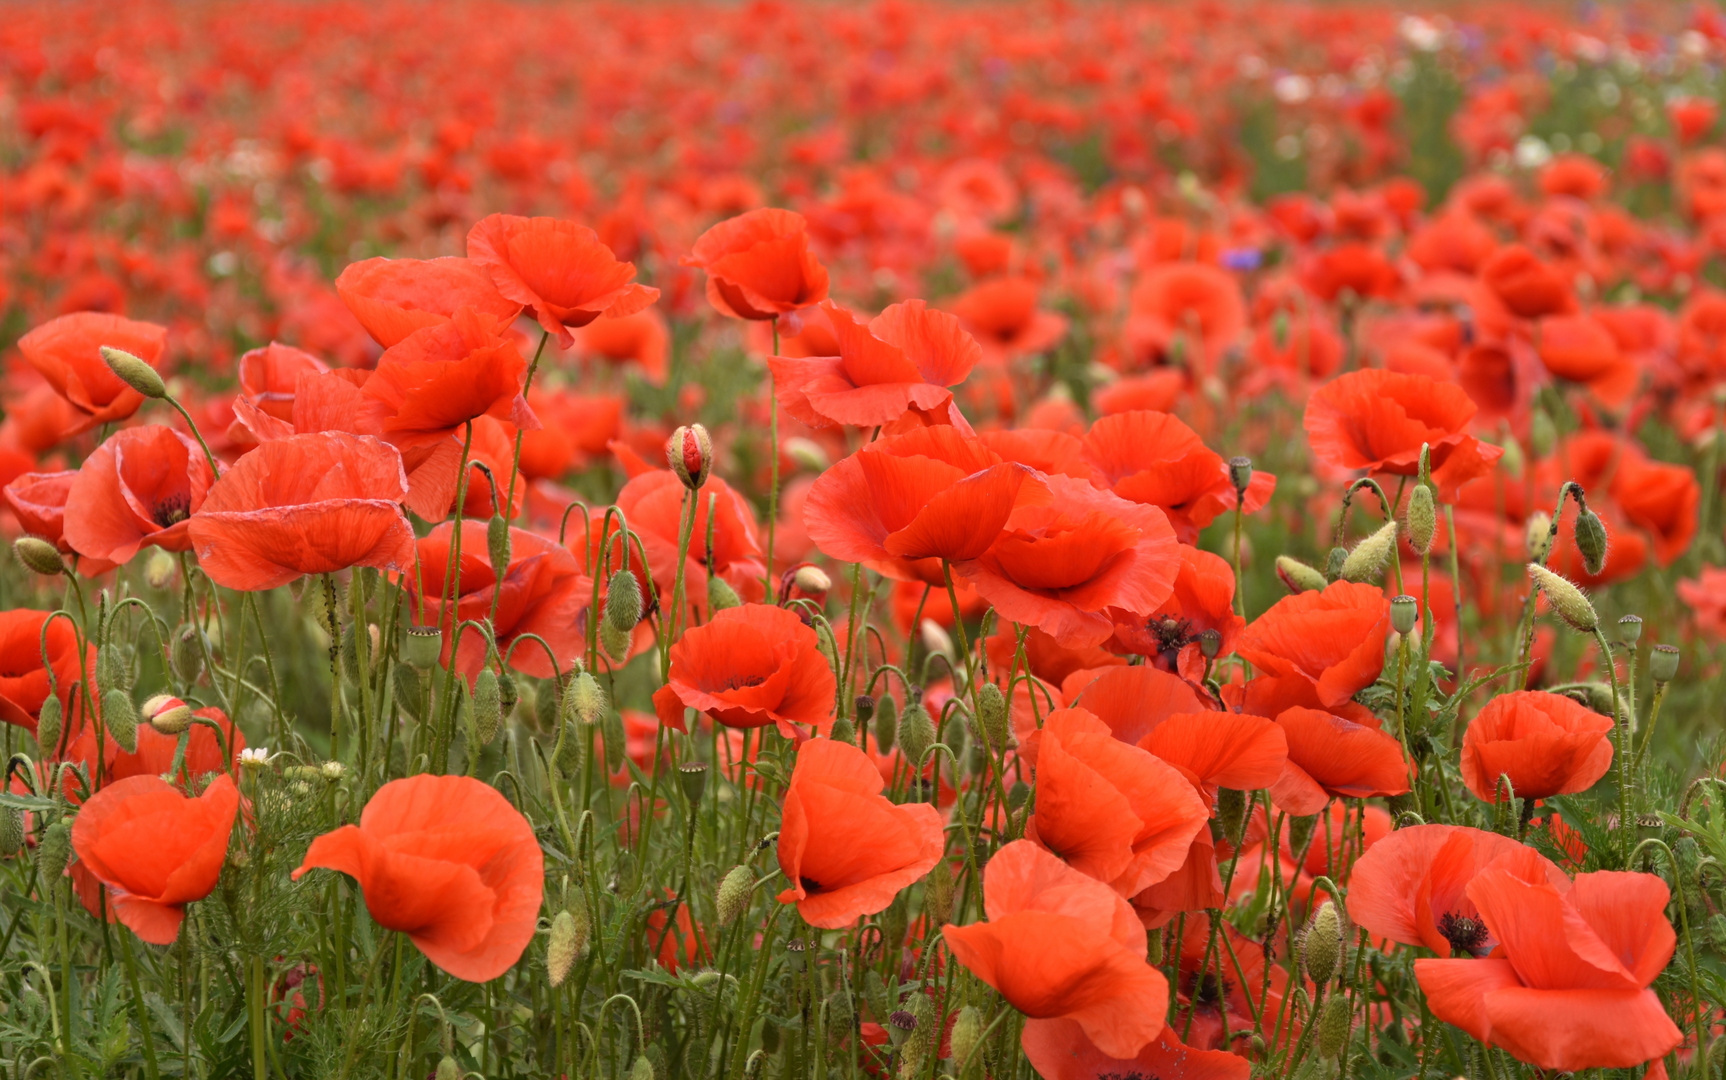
{"type": "Point", "coordinates": [515, 462]}
{"type": "Point", "coordinates": [773, 463]}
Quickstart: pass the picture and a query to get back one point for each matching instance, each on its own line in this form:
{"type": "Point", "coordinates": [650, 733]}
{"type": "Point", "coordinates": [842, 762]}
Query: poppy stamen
{"type": "Point", "coordinates": [172, 509]}
{"type": "Point", "coordinates": [1467, 936]}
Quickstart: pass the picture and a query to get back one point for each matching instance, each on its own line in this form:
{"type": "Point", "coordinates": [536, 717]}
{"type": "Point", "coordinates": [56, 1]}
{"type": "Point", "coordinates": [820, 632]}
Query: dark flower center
{"type": "Point", "coordinates": [1209, 989]}
{"type": "Point", "coordinates": [172, 509]}
{"type": "Point", "coordinates": [1171, 633]}
{"type": "Point", "coordinates": [1467, 936]}
{"type": "Point", "coordinates": [743, 682]}
{"type": "Point", "coordinates": [810, 885]}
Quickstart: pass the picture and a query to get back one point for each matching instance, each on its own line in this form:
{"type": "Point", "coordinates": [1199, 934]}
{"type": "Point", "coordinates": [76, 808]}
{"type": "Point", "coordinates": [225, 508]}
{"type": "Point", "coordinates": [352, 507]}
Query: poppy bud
{"type": "Point", "coordinates": [916, 733]}
{"type": "Point", "coordinates": [168, 714]}
{"type": "Point", "coordinates": [487, 706]}
{"type": "Point", "coordinates": [561, 948]}
{"type": "Point", "coordinates": [692, 775]}
{"type": "Point", "coordinates": [615, 642]}
{"type": "Point", "coordinates": [812, 580]}
{"type": "Point", "coordinates": [936, 640]}
{"type": "Point", "coordinates": [992, 716]}
{"type": "Point", "coordinates": [1335, 1021]}
{"type": "Point", "coordinates": [735, 890]}
{"type": "Point", "coordinates": [497, 542]}
{"type": "Point", "coordinates": [720, 594]}
{"type": "Point", "coordinates": [1663, 663]}
{"type": "Point", "coordinates": [938, 893]}
{"type": "Point", "coordinates": [422, 646]}
{"type": "Point", "coordinates": [134, 372]}
{"type": "Point", "coordinates": [689, 452]}
{"type": "Point", "coordinates": [1590, 535]}
{"type": "Point", "coordinates": [1566, 599]}
{"type": "Point", "coordinates": [187, 653]}
{"type": "Point", "coordinates": [1322, 943]}
{"type": "Point", "coordinates": [120, 715]}
{"type": "Point", "coordinates": [623, 601]}
{"type": "Point", "coordinates": [545, 705]}
{"type": "Point", "coordinates": [886, 722]}
{"type": "Point", "coordinates": [112, 669]}
{"type": "Point", "coordinates": [1537, 541]}
{"type": "Point", "coordinates": [642, 1069]}
{"type": "Point", "coordinates": [1298, 576]}
{"type": "Point", "coordinates": [967, 1033]}
{"type": "Point", "coordinates": [807, 454]}
{"type": "Point", "coordinates": [48, 723]}
{"type": "Point", "coordinates": [507, 695]}
{"type": "Point", "coordinates": [11, 832]}
{"type": "Point", "coordinates": [1333, 563]}
{"type": "Point", "coordinates": [159, 569]}
{"type": "Point", "coordinates": [925, 1031]}
{"type": "Point", "coordinates": [1422, 519]}
{"type": "Point", "coordinates": [1231, 813]}
{"type": "Point", "coordinates": [1542, 433]}
{"type": "Point", "coordinates": [1367, 561]}
{"type": "Point", "coordinates": [841, 1015]}
{"type": "Point", "coordinates": [567, 756]}
{"type": "Point", "coordinates": [1300, 830]}
{"type": "Point", "coordinates": [38, 555]}
{"type": "Point", "coordinates": [54, 851]}
{"type": "Point", "coordinates": [843, 731]}
{"type": "Point", "coordinates": [1210, 642]}
{"type": "Point", "coordinates": [612, 735]}
{"type": "Point", "coordinates": [1240, 473]}
{"type": "Point", "coordinates": [447, 1069]}
{"type": "Point", "coordinates": [1404, 612]}
{"type": "Point", "coordinates": [584, 700]}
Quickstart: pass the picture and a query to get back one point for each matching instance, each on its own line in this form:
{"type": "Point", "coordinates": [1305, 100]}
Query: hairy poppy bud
{"type": "Point", "coordinates": [916, 733]}
{"type": "Point", "coordinates": [1367, 561]}
{"type": "Point", "coordinates": [421, 647]}
{"type": "Point", "coordinates": [843, 731]}
{"type": "Point", "coordinates": [584, 700]}
{"type": "Point", "coordinates": [841, 1015]}
{"type": "Point", "coordinates": [623, 601]}
{"type": "Point", "coordinates": [487, 706]}
{"type": "Point", "coordinates": [1322, 943]}
{"type": "Point", "coordinates": [168, 714]}
{"type": "Point", "coordinates": [812, 580]}
{"type": "Point", "coordinates": [936, 640]}
{"type": "Point", "coordinates": [48, 724]}
{"type": "Point", "coordinates": [561, 948]}
{"type": "Point", "coordinates": [447, 1069]}
{"type": "Point", "coordinates": [1298, 576]}
{"type": "Point", "coordinates": [1630, 629]}
{"type": "Point", "coordinates": [924, 1034]}
{"type": "Point", "coordinates": [1231, 813]}
{"type": "Point", "coordinates": [112, 669]}
{"type": "Point", "coordinates": [11, 832]}
{"type": "Point", "coordinates": [1566, 599]}
{"type": "Point", "coordinates": [612, 735]}
{"type": "Point", "coordinates": [134, 372]}
{"type": "Point", "coordinates": [1335, 1021]}
{"type": "Point", "coordinates": [1663, 663]}
{"type": "Point", "coordinates": [992, 716]}
{"type": "Point", "coordinates": [567, 756]}
{"type": "Point", "coordinates": [1240, 473]}
{"type": "Point", "coordinates": [187, 653]}
{"type": "Point", "coordinates": [120, 716]}
{"type": "Point", "coordinates": [54, 851]}
{"type": "Point", "coordinates": [689, 452]}
{"type": "Point", "coordinates": [38, 555]}
{"type": "Point", "coordinates": [1590, 536]}
{"type": "Point", "coordinates": [807, 453]}
{"type": "Point", "coordinates": [886, 722]}
{"type": "Point", "coordinates": [1333, 563]}
{"type": "Point", "coordinates": [967, 1034]}
{"type": "Point", "coordinates": [1210, 642]}
{"type": "Point", "coordinates": [615, 642]}
{"type": "Point", "coordinates": [159, 569]}
{"type": "Point", "coordinates": [1537, 541]}
{"type": "Point", "coordinates": [938, 893]}
{"type": "Point", "coordinates": [497, 543]}
{"type": "Point", "coordinates": [1404, 612]}
{"type": "Point", "coordinates": [1422, 519]}
{"type": "Point", "coordinates": [734, 892]}
{"type": "Point", "coordinates": [692, 776]}
{"type": "Point", "coordinates": [720, 594]}
{"type": "Point", "coordinates": [507, 695]}
{"type": "Point", "coordinates": [642, 1069]}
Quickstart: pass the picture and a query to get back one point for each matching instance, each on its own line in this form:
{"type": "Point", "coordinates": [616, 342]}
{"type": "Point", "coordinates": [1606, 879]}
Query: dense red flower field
{"type": "Point", "coordinates": [1086, 540]}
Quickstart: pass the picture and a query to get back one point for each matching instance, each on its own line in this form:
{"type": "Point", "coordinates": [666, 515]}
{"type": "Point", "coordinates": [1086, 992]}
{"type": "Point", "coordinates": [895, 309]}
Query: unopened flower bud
{"type": "Point", "coordinates": [967, 1034]}
{"type": "Point", "coordinates": [886, 722]}
{"type": "Point", "coordinates": [1630, 629]}
{"type": "Point", "coordinates": [447, 1069]}
{"type": "Point", "coordinates": [1590, 535]}
{"type": "Point", "coordinates": [689, 452]}
{"type": "Point", "coordinates": [1422, 519]}
{"type": "Point", "coordinates": [812, 580]}
{"type": "Point", "coordinates": [38, 555]}
{"type": "Point", "coordinates": [841, 1014]}
{"type": "Point", "coordinates": [159, 569]}
{"type": "Point", "coordinates": [497, 543]}
{"type": "Point", "coordinates": [1333, 563]}
{"type": "Point", "coordinates": [1231, 813]}
{"type": "Point", "coordinates": [642, 1069]}
{"type": "Point", "coordinates": [1663, 663]}
{"type": "Point", "coordinates": [916, 733]}
{"type": "Point", "coordinates": [168, 714]}
{"type": "Point", "coordinates": [567, 756]}
{"type": "Point", "coordinates": [11, 831]}
{"type": "Point", "coordinates": [1334, 1024]}
{"type": "Point", "coordinates": [54, 851]}
{"type": "Point", "coordinates": [612, 735]}
{"type": "Point", "coordinates": [992, 717]}
{"type": "Point", "coordinates": [134, 372]}
{"type": "Point", "coordinates": [1322, 943]}
{"type": "Point", "coordinates": [487, 706]}
{"type": "Point", "coordinates": [734, 892]}
{"type": "Point", "coordinates": [1300, 830]}
{"type": "Point", "coordinates": [1240, 474]}
{"type": "Point", "coordinates": [720, 594]}
{"type": "Point", "coordinates": [623, 601]}
{"type": "Point", "coordinates": [692, 776]}
{"type": "Point", "coordinates": [507, 695]}
{"type": "Point", "coordinates": [584, 700]}
{"type": "Point", "coordinates": [113, 669]}
{"type": "Point", "coordinates": [1367, 561]}
{"type": "Point", "coordinates": [807, 453]}
{"type": "Point", "coordinates": [1298, 576]}
{"type": "Point", "coordinates": [565, 945]}
{"type": "Point", "coordinates": [48, 724]}
{"type": "Point", "coordinates": [1537, 539]}
{"type": "Point", "coordinates": [1566, 599]}
{"type": "Point", "coordinates": [120, 716]}
{"type": "Point", "coordinates": [187, 653]}
{"type": "Point", "coordinates": [1404, 612]}
{"type": "Point", "coordinates": [938, 893]}
{"type": "Point", "coordinates": [616, 643]}
{"type": "Point", "coordinates": [936, 640]}
{"type": "Point", "coordinates": [844, 731]}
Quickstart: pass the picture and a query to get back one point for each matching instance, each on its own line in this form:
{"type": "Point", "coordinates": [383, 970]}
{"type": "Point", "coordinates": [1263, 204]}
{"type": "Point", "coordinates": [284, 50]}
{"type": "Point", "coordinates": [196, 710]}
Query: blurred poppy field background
{"type": "Point", "coordinates": [769, 540]}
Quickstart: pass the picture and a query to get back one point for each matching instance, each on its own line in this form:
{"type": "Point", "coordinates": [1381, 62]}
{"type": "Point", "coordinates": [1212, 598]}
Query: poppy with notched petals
{"type": "Point", "coordinates": [433, 381]}
{"type": "Point", "coordinates": [1378, 420]}
{"type": "Point", "coordinates": [1545, 744]}
{"type": "Point", "coordinates": [1330, 756]}
{"type": "Point", "coordinates": [748, 667]}
{"type": "Point", "coordinates": [25, 683]}
{"type": "Point", "coordinates": [138, 488]}
{"type": "Point", "coordinates": [392, 298]}
{"type": "Point", "coordinates": [759, 265]}
{"type": "Point", "coordinates": [1331, 639]}
{"type": "Point", "coordinates": [68, 353]}
{"type": "Point", "coordinates": [1155, 459]}
{"type": "Point", "coordinates": [559, 269]}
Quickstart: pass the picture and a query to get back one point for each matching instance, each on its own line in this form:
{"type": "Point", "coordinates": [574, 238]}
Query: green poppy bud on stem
{"type": "Point", "coordinates": [734, 892]}
{"type": "Point", "coordinates": [187, 653]}
{"type": "Point", "coordinates": [886, 723]}
{"type": "Point", "coordinates": [938, 893]}
{"type": "Point", "coordinates": [487, 706]}
{"type": "Point", "coordinates": [612, 735]}
{"type": "Point", "coordinates": [567, 756]}
{"type": "Point", "coordinates": [497, 543]}
{"type": "Point", "coordinates": [54, 851]}
{"type": "Point", "coordinates": [584, 700]}
{"type": "Point", "coordinates": [159, 569]}
{"type": "Point", "coordinates": [1322, 943]}
{"type": "Point", "coordinates": [134, 372]}
{"type": "Point", "coordinates": [843, 731]}
{"type": "Point", "coordinates": [615, 642]}
{"type": "Point", "coordinates": [1298, 576]}
{"type": "Point", "coordinates": [1590, 535]}
{"type": "Point", "coordinates": [967, 1034]}
{"type": "Point", "coordinates": [916, 733]}
{"type": "Point", "coordinates": [1566, 599]}
{"type": "Point", "coordinates": [1333, 563]}
{"type": "Point", "coordinates": [447, 1069]}
{"type": "Point", "coordinates": [38, 556]}
{"type": "Point", "coordinates": [11, 832]}
{"type": "Point", "coordinates": [48, 723]}
{"type": "Point", "coordinates": [623, 601]}
{"type": "Point", "coordinates": [992, 716]}
{"type": "Point", "coordinates": [564, 946]}
{"type": "Point", "coordinates": [720, 594]}
{"type": "Point", "coordinates": [1422, 519]}
{"type": "Point", "coordinates": [642, 1069]}
{"type": "Point", "coordinates": [1334, 1024]}
{"type": "Point", "coordinates": [1537, 541]}
{"type": "Point", "coordinates": [1231, 813]}
{"type": "Point", "coordinates": [1367, 561]}
{"type": "Point", "coordinates": [120, 716]}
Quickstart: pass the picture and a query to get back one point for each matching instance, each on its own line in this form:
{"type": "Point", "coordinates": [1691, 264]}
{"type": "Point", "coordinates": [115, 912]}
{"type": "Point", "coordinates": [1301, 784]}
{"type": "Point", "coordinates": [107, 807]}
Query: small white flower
{"type": "Point", "coordinates": [254, 757]}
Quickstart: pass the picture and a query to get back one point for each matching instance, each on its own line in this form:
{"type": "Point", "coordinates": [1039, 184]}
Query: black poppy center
{"type": "Point", "coordinates": [1467, 936]}
{"type": "Point", "coordinates": [170, 510]}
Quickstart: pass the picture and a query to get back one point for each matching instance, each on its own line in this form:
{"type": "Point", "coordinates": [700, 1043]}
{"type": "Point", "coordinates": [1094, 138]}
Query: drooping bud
{"type": "Point", "coordinates": [689, 452]}
{"type": "Point", "coordinates": [1566, 599]}
{"type": "Point", "coordinates": [615, 642]}
{"type": "Point", "coordinates": [967, 1034]}
{"type": "Point", "coordinates": [421, 647]}
{"type": "Point", "coordinates": [916, 733]}
{"type": "Point", "coordinates": [507, 695]}
{"type": "Point", "coordinates": [48, 723]}
{"type": "Point", "coordinates": [167, 714]}
{"type": "Point", "coordinates": [1630, 629]}
{"type": "Point", "coordinates": [187, 653]}
{"type": "Point", "coordinates": [120, 716]}
{"type": "Point", "coordinates": [54, 851]}
{"type": "Point", "coordinates": [611, 734]}
{"type": "Point", "coordinates": [992, 716]}
{"type": "Point", "coordinates": [1298, 576]}
{"type": "Point", "coordinates": [1663, 663]}
{"type": "Point", "coordinates": [567, 756]}
{"type": "Point", "coordinates": [159, 569]}
{"type": "Point", "coordinates": [1231, 813]}
{"type": "Point", "coordinates": [1240, 474]}
{"type": "Point", "coordinates": [938, 893]}
{"type": "Point", "coordinates": [1335, 1021]}
{"type": "Point", "coordinates": [1590, 536]}
{"type": "Point", "coordinates": [1367, 561]}
{"type": "Point", "coordinates": [692, 777]}
{"type": "Point", "coordinates": [38, 556]}
{"type": "Point", "coordinates": [497, 543]}
{"type": "Point", "coordinates": [1322, 943]}
{"type": "Point", "coordinates": [1333, 563]}
{"type": "Point", "coordinates": [584, 700]}
{"type": "Point", "coordinates": [1422, 519]}
{"type": "Point", "coordinates": [134, 372]}
{"type": "Point", "coordinates": [487, 706]}
{"type": "Point", "coordinates": [886, 722]}
{"type": "Point", "coordinates": [1404, 612]}
{"type": "Point", "coordinates": [623, 601]}
{"type": "Point", "coordinates": [720, 594]}
{"type": "Point", "coordinates": [11, 832]}
{"type": "Point", "coordinates": [734, 892]}
{"type": "Point", "coordinates": [1537, 540]}
{"type": "Point", "coordinates": [560, 948]}
{"type": "Point", "coordinates": [112, 669]}
{"type": "Point", "coordinates": [812, 580]}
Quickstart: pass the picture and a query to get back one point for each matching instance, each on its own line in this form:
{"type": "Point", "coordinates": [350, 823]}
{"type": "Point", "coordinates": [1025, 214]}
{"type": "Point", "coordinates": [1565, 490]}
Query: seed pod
{"type": "Point", "coordinates": [159, 569]}
{"type": "Point", "coordinates": [48, 724]}
{"type": "Point", "coordinates": [11, 831]}
{"type": "Point", "coordinates": [1231, 813]}
{"type": "Point", "coordinates": [1663, 663]}
{"type": "Point", "coordinates": [886, 723]}
{"type": "Point", "coordinates": [487, 706]}
{"type": "Point", "coordinates": [938, 893]}
{"type": "Point", "coordinates": [134, 372]}
{"type": "Point", "coordinates": [1404, 610]}
{"type": "Point", "coordinates": [1298, 576]}
{"type": "Point", "coordinates": [1590, 536]}
{"type": "Point", "coordinates": [1537, 540]}
{"type": "Point", "coordinates": [584, 700]}
{"type": "Point", "coordinates": [623, 601]}
{"type": "Point", "coordinates": [421, 646]}
{"type": "Point", "coordinates": [865, 708]}
{"type": "Point", "coordinates": [1322, 943]}
{"type": "Point", "coordinates": [54, 851]}
{"type": "Point", "coordinates": [735, 890]}
{"type": "Point", "coordinates": [120, 715]}
{"type": "Point", "coordinates": [692, 777]}
{"type": "Point", "coordinates": [1335, 1021]}
{"type": "Point", "coordinates": [689, 452]}
{"type": "Point", "coordinates": [1717, 932]}
{"type": "Point", "coordinates": [1240, 474]}
{"type": "Point", "coordinates": [1422, 519]}
{"type": "Point", "coordinates": [38, 556]}
{"type": "Point", "coordinates": [1210, 642]}
{"type": "Point", "coordinates": [720, 594]}
{"type": "Point", "coordinates": [1566, 599]}
{"type": "Point", "coordinates": [561, 948]}
{"type": "Point", "coordinates": [615, 642]}
{"type": "Point", "coordinates": [992, 717]}
{"type": "Point", "coordinates": [967, 1034]}
{"type": "Point", "coordinates": [1630, 629]}
{"type": "Point", "coordinates": [916, 733]}
{"type": "Point", "coordinates": [1367, 561]}
{"type": "Point", "coordinates": [497, 543]}
{"type": "Point", "coordinates": [187, 653]}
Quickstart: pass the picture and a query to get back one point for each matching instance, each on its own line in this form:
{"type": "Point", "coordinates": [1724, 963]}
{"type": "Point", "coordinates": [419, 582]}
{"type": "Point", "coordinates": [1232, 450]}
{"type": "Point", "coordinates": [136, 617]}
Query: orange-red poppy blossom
{"type": "Point", "coordinates": [1155, 459]}
{"type": "Point", "coordinates": [1378, 420]}
{"type": "Point", "coordinates": [1567, 988]}
{"type": "Point", "coordinates": [907, 355]}
{"type": "Point", "coordinates": [747, 667]}
{"type": "Point", "coordinates": [847, 850]}
{"type": "Point", "coordinates": [1203, 599]}
{"type": "Point", "coordinates": [448, 861]}
{"type": "Point", "coordinates": [1545, 744]}
{"type": "Point", "coordinates": [155, 753]}
{"type": "Point", "coordinates": [155, 849]}
{"type": "Point", "coordinates": [392, 298]}
{"type": "Point", "coordinates": [433, 381]}
{"type": "Point", "coordinates": [1003, 313]}
{"type": "Point", "coordinates": [1527, 287]}
{"type": "Point", "coordinates": [138, 488]}
{"type": "Point", "coordinates": [25, 683]}
{"type": "Point", "coordinates": [1330, 756]}
{"type": "Point", "coordinates": [652, 503]}
{"type": "Point", "coordinates": [38, 501]}
{"type": "Point", "coordinates": [1061, 945]}
{"type": "Point", "coordinates": [68, 353]}
{"type": "Point", "coordinates": [1331, 639]}
{"type": "Point", "coordinates": [759, 265]}
{"type": "Point", "coordinates": [306, 504]}
{"type": "Point", "coordinates": [559, 269]}
{"type": "Point", "coordinates": [1060, 1050]}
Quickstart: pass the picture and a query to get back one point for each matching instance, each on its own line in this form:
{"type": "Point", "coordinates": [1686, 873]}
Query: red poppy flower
{"type": "Point", "coordinates": [653, 505]}
{"type": "Point", "coordinates": [449, 862]}
{"type": "Point", "coordinates": [1359, 268]}
{"type": "Point", "coordinates": [561, 270]}
{"type": "Point", "coordinates": [155, 849]}
{"type": "Point", "coordinates": [1546, 744]}
{"type": "Point", "coordinates": [38, 501]}
{"type": "Point", "coordinates": [1060, 945]}
{"type": "Point", "coordinates": [642, 338]}
{"type": "Point", "coordinates": [1108, 809]}
{"type": "Point", "coordinates": [1527, 287]}
{"type": "Point", "coordinates": [846, 850]}
{"type": "Point", "coordinates": [1211, 985]}
{"type": "Point", "coordinates": [1659, 497]}
{"type": "Point", "coordinates": [138, 488]}
{"type": "Point", "coordinates": [269, 376]}
{"type": "Point", "coordinates": [1059, 1050]}
{"type": "Point", "coordinates": [907, 355]}
{"type": "Point", "coordinates": [759, 265]}
{"type": "Point", "coordinates": [392, 298]}
{"type": "Point", "coordinates": [437, 379]}
{"type": "Point", "coordinates": [155, 753]}
{"type": "Point", "coordinates": [1411, 886]}
{"type": "Point", "coordinates": [1570, 989]}
{"type": "Point", "coordinates": [750, 666]}
{"type": "Point", "coordinates": [1377, 420]}
{"type": "Point", "coordinates": [1329, 756]}
{"type": "Point", "coordinates": [1076, 564]}
{"type": "Point", "coordinates": [1578, 347]}
{"type": "Point", "coordinates": [681, 943]}
{"type": "Point", "coordinates": [541, 592]}
{"type": "Point", "coordinates": [25, 682]}
{"type": "Point", "coordinates": [1331, 639]}
{"type": "Point", "coordinates": [67, 351]}
{"type": "Point", "coordinates": [308, 504]}
{"type": "Point", "coordinates": [1704, 595]}
{"type": "Point", "coordinates": [1203, 599]}
{"type": "Point", "coordinates": [1004, 315]}
{"type": "Point", "coordinates": [931, 493]}
{"type": "Point", "coordinates": [1196, 303]}
{"type": "Point", "coordinates": [1153, 458]}
{"type": "Point", "coordinates": [1215, 750]}
{"type": "Point", "coordinates": [1133, 701]}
